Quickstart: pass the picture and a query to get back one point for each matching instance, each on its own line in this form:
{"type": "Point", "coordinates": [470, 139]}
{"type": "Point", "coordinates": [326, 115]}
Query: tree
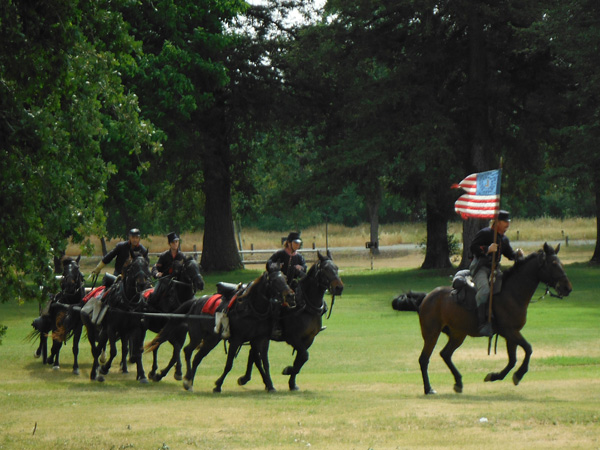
{"type": "Point", "coordinates": [572, 28]}
{"type": "Point", "coordinates": [59, 93]}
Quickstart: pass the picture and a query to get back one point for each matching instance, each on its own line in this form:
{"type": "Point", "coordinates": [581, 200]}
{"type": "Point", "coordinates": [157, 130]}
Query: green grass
{"type": "Point", "coordinates": [360, 389]}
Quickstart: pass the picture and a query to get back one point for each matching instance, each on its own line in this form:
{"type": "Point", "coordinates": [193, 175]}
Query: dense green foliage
{"type": "Point", "coordinates": [362, 111]}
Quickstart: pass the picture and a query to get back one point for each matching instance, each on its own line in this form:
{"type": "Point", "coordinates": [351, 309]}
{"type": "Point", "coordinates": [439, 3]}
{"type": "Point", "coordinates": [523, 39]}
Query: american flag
{"type": "Point", "coordinates": [482, 200]}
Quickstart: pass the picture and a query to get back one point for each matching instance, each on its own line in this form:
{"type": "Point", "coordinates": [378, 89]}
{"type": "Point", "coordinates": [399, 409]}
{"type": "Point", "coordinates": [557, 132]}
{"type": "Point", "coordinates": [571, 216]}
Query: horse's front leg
{"type": "Point", "coordinates": [55, 354]}
{"type": "Point", "coordinates": [243, 380]}
{"type": "Point", "coordinates": [511, 349]}
{"type": "Point", "coordinates": [137, 344]}
{"type": "Point", "coordinates": [76, 338]}
{"type": "Point", "coordinates": [293, 371]}
{"type": "Point", "coordinates": [262, 362]}
{"type": "Point", "coordinates": [521, 371]}
{"type": "Point", "coordinates": [233, 349]}
{"type": "Point", "coordinates": [112, 341]}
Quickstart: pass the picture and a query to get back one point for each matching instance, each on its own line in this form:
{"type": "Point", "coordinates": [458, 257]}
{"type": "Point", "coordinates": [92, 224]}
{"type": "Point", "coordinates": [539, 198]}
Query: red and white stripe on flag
{"type": "Point", "coordinates": [482, 200]}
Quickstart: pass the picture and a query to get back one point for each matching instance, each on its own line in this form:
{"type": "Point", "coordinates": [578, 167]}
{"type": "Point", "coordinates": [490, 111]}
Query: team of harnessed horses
{"type": "Point", "coordinates": [123, 309]}
{"type": "Point", "coordinates": [240, 314]}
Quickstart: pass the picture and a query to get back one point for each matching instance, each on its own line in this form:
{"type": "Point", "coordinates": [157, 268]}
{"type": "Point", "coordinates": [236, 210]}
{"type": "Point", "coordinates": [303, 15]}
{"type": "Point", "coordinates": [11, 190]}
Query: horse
{"type": "Point", "coordinates": [179, 287]}
{"type": "Point", "coordinates": [301, 324]}
{"type": "Point", "coordinates": [123, 300]}
{"type": "Point", "coordinates": [439, 313]}
{"type": "Point", "coordinates": [249, 321]}
{"type": "Point", "coordinates": [57, 316]}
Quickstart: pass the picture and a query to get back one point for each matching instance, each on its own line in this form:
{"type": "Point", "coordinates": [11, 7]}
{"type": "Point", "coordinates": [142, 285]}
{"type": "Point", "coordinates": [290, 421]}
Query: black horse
{"type": "Point", "coordinates": [123, 301]}
{"type": "Point", "coordinates": [57, 317]}
{"type": "Point", "coordinates": [249, 321]}
{"type": "Point", "coordinates": [439, 312]}
{"type": "Point", "coordinates": [300, 325]}
{"type": "Point", "coordinates": [176, 289]}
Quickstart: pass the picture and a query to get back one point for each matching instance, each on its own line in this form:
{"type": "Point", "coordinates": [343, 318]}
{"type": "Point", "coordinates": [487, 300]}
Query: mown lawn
{"type": "Point", "coordinates": [360, 389]}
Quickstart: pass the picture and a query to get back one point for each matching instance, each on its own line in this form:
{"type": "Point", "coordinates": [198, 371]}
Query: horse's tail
{"type": "Point", "coordinates": [173, 323]}
{"type": "Point", "coordinates": [409, 301]}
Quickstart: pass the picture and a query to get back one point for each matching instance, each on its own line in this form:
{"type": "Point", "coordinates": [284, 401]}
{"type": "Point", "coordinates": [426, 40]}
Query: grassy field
{"type": "Point", "coordinates": [361, 388]}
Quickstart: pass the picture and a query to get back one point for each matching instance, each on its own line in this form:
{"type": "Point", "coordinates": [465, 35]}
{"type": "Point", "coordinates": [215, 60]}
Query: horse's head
{"type": "Point", "coordinates": [327, 274]}
{"type": "Point", "coordinates": [136, 275]}
{"type": "Point", "coordinates": [190, 273]}
{"type": "Point", "coordinates": [278, 287]}
{"type": "Point", "coordinates": [552, 271]}
{"type": "Point", "coordinates": [72, 282]}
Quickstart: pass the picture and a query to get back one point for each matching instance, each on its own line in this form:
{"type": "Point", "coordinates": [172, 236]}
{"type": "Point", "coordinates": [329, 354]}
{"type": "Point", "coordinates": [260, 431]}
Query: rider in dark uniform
{"type": "Point", "coordinates": [122, 252]}
{"type": "Point", "coordinates": [482, 248]}
{"type": "Point", "coordinates": [293, 267]}
{"type": "Point", "coordinates": [164, 265]}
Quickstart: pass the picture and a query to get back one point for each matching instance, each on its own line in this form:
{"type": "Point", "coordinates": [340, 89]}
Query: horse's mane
{"type": "Point", "coordinates": [520, 262]}
{"type": "Point", "coordinates": [250, 286]}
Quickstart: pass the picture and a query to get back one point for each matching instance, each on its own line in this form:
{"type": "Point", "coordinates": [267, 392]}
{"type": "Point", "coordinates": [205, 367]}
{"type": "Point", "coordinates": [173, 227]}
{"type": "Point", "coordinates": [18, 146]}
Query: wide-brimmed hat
{"type": "Point", "coordinates": [172, 236]}
{"type": "Point", "coordinates": [504, 215]}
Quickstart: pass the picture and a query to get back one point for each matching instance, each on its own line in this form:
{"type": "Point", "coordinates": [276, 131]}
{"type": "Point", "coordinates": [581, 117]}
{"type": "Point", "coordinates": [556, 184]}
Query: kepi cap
{"type": "Point", "coordinates": [504, 215]}
{"type": "Point", "coordinates": [134, 232]}
{"type": "Point", "coordinates": [172, 236]}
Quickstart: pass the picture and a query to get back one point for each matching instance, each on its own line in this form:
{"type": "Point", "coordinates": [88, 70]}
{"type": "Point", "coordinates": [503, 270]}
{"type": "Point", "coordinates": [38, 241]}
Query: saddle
{"type": "Point", "coordinates": [463, 288]}
{"type": "Point", "coordinates": [228, 290]}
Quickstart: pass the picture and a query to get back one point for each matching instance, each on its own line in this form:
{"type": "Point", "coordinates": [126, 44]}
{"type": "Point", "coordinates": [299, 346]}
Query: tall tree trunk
{"type": "Point", "coordinates": [219, 251]}
{"type": "Point", "coordinates": [481, 144]}
{"type": "Point", "coordinates": [437, 255]}
{"type": "Point", "coordinates": [596, 255]}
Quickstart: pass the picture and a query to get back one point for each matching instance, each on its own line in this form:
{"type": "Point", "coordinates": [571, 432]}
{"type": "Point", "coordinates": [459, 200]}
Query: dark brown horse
{"type": "Point", "coordinates": [439, 313]}
{"type": "Point", "coordinates": [300, 325]}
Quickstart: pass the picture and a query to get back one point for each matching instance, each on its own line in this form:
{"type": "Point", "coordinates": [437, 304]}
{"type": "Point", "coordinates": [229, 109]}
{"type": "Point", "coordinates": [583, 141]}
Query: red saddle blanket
{"type": "Point", "coordinates": [211, 305]}
{"type": "Point", "coordinates": [94, 293]}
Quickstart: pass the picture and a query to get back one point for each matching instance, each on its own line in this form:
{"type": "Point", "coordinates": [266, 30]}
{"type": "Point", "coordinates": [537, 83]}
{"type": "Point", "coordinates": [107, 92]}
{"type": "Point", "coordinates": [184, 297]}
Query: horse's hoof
{"type": "Point", "coordinates": [488, 377]}
{"type": "Point", "coordinates": [270, 389]}
{"type": "Point", "coordinates": [100, 379]}
{"type": "Point", "coordinates": [458, 389]}
{"type": "Point", "coordinates": [143, 380]}
{"type": "Point", "coordinates": [431, 392]}
{"type": "Point", "coordinates": [103, 371]}
{"type": "Point", "coordinates": [56, 368]}
{"type": "Point", "coordinates": [516, 379]}
{"type": "Point", "coordinates": [287, 371]}
{"type": "Point", "coordinates": [217, 390]}
{"type": "Point", "coordinates": [36, 355]}
{"type": "Point", "coordinates": [75, 371]}
{"type": "Point", "coordinates": [242, 381]}
{"type": "Point", "coordinates": [156, 378]}
{"type": "Point", "coordinates": [294, 388]}
{"type": "Point", "coordinates": [178, 377]}
{"type": "Point", "coordinates": [187, 385]}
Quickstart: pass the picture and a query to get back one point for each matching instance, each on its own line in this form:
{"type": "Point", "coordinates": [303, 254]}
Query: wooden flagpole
{"type": "Point", "coordinates": [493, 274]}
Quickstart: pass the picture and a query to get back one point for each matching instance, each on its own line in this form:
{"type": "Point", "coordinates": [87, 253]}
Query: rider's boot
{"type": "Point", "coordinates": [485, 327]}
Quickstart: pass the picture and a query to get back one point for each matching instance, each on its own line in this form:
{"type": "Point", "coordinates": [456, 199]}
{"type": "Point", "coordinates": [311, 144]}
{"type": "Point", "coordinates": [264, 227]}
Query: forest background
{"type": "Point", "coordinates": [277, 115]}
